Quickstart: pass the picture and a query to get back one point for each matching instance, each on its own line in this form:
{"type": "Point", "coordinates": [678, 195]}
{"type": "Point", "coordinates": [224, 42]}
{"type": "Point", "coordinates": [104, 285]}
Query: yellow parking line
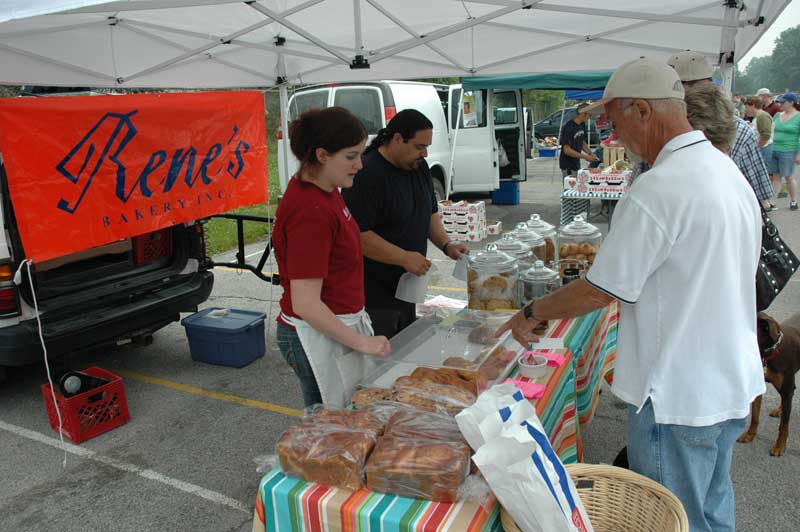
{"type": "Point", "coordinates": [209, 394]}
{"type": "Point", "coordinates": [448, 288]}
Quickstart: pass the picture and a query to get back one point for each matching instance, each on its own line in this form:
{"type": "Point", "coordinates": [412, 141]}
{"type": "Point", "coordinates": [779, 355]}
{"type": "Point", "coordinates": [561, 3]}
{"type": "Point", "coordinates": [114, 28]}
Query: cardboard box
{"type": "Point", "coordinates": [494, 227]}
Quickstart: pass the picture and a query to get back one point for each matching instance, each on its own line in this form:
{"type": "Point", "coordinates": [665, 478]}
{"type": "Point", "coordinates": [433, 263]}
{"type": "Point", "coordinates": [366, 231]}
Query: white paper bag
{"type": "Point", "coordinates": [460, 269]}
{"type": "Point", "coordinates": [498, 407]}
{"type": "Point", "coordinates": [412, 288]}
{"type": "Point", "coordinates": [530, 481]}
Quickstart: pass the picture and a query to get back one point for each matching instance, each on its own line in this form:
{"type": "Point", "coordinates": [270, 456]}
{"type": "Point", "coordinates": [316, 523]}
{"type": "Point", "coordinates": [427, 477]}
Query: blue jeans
{"type": "Point", "coordinates": [692, 462]}
{"type": "Point", "coordinates": [294, 354]}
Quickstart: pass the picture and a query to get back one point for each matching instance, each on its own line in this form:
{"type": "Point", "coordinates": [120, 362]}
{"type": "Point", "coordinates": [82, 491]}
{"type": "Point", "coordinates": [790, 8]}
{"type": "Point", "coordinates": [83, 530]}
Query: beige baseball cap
{"type": "Point", "coordinates": [763, 91]}
{"type": "Point", "coordinates": [691, 66]}
{"type": "Point", "coordinates": [641, 78]}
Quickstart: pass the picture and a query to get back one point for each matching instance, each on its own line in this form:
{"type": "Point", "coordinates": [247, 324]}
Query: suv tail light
{"type": "Point", "coordinates": [152, 246]}
{"type": "Point", "coordinates": [389, 112]}
{"type": "Point", "coordinates": [279, 134]}
{"type": "Point", "coordinates": [9, 299]}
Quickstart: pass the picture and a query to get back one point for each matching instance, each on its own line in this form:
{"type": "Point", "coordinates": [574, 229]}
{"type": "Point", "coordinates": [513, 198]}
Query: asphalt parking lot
{"type": "Point", "coordinates": [185, 461]}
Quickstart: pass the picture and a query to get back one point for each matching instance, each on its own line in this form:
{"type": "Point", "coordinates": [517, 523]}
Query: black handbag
{"type": "Point", "coordinates": [776, 266]}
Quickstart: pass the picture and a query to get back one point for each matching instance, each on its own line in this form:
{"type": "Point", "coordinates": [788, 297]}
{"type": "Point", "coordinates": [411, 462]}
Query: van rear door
{"type": "Point", "coordinates": [475, 165]}
{"type": "Point", "coordinates": [509, 130]}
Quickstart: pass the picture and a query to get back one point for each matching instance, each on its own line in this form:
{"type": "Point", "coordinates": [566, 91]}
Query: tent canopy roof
{"type": "Point", "coordinates": [241, 43]}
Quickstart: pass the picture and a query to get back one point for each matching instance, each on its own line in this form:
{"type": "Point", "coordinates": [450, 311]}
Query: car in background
{"type": "Point", "coordinates": [551, 126]}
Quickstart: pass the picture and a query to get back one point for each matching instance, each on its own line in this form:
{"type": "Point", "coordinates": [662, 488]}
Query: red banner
{"type": "Point", "coordinates": [85, 171]}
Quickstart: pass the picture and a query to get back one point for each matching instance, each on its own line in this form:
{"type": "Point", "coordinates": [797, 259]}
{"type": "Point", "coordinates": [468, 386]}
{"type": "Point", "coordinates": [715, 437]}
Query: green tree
{"type": "Point", "coordinates": [785, 66]}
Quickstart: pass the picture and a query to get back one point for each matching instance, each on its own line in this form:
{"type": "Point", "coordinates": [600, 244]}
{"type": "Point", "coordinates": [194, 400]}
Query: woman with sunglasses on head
{"type": "Point", "coordinates": [318, 249]}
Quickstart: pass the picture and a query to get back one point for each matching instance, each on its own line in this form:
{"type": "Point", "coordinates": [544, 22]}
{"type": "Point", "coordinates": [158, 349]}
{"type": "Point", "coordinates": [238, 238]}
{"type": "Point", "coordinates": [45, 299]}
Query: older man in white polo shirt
{"type": "Point", "coordinates": [681, 259]}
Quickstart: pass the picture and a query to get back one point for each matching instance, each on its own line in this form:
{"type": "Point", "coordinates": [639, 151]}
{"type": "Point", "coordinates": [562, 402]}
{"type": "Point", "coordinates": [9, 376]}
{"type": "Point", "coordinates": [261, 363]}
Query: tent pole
{"type": "Point", "coordinates": [449, 178]}
{"type": "Point", "coordinates": [560, 127]}
{"type": "Point", "coordinates": [727, 49]}
{"type": "Point", "coordinates": [283, 172]}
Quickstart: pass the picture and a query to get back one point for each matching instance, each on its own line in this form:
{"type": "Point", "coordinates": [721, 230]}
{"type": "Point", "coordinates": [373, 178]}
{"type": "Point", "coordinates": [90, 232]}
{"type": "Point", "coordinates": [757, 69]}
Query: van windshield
{"type": "Point", "coordinates": [365, 103]}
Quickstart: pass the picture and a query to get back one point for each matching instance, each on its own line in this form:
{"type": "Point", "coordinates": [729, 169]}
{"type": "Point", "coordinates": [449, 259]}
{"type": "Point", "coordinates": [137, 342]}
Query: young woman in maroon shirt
{"type": "Point", "coordinates": [317, 246]}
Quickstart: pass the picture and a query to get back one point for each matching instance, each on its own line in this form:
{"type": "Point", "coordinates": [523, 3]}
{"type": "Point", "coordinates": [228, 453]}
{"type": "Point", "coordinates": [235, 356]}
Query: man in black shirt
{"type": "Point", "coordinates": [573, 143]}
{"type": "Point", "coordinates": [393, 201]}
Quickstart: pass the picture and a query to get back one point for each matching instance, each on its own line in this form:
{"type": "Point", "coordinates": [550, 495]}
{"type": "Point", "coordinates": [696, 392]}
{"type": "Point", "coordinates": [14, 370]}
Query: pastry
{"type": "Point", "coordinates": [483, 335]}
{"type": "Point", "coordinates": [367, 396]}
{"type": "Point", "coordinates": [496, 283]}
{"type": "Point", "coordinates": [587, 249]}
{"type": "Point", "coordinates": [333, 456]}
{"type": "Point", "coordinates": [472, 275]}
{"type": "Point", "coordinates": [417, 468]}
{"type": "Point", "coordinates": [458, 362]}
{"type": "Point", "coordinates": [476, 304]}
{"type": "Point", "coordinates": [498, 304]}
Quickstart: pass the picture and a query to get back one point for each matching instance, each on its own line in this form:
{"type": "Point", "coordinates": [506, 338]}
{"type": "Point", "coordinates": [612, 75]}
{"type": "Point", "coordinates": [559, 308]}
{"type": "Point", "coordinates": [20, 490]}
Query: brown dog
{"type": "Point", "coordinates": [780, 352]}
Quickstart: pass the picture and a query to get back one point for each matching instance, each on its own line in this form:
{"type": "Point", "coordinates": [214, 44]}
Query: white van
{"type": "Point", "coordinates": [476, 167]}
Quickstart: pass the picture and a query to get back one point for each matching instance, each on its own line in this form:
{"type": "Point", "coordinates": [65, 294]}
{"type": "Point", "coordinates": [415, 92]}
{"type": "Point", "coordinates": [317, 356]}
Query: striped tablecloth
{"type": "Point", "coordinates": [285, 504]}
{"type": "Point", "coordinates": [593, 341]}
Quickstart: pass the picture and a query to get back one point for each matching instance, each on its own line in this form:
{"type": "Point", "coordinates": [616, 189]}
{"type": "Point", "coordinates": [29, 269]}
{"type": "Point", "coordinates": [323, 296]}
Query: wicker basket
{"type": "Point", "coordinates": [618, 500]}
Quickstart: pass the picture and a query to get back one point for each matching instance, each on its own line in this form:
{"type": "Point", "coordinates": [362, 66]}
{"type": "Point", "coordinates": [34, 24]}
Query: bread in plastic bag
{"type": "Point", "coordinates": [423, 425]}
{"type": "Point", "coordinates": [351, 419]}
{"type": "Point", "coordinates": [432, 397]}
{"type": "Point", "coordinates": [327, 454]}
{"type": "Point", "coordinates": [500, 406]}
{"type": "Point", "coordinates": [531, 483]}
{"type": "Point", "coordinates": [418, 468]}
{"type": "Point", "coordinates": [365, 397]}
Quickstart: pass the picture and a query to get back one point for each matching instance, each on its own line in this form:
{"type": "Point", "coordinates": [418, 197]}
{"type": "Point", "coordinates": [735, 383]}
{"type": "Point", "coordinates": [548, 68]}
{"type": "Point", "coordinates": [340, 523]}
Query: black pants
{"type": "Point", "coordinates": [388, 320]}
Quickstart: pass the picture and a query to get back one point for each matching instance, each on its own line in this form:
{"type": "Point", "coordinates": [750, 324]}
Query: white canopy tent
{"type": "Point", "coordinates": [258, 43]}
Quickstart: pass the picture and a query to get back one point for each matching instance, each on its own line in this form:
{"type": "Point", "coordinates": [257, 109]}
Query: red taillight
{"type": "Point", "coordinates": [8, 301]}
{"type": "Point", "coordinates": [389, 112]}
{"type": "Point", "coordinates": [279, 134]}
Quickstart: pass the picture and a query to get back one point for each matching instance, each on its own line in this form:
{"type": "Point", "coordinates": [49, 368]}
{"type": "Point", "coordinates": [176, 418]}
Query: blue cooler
{"type": "Point", "coordinates": [507, 194]}
{"type": "Point", "coordinates": [226, 337]}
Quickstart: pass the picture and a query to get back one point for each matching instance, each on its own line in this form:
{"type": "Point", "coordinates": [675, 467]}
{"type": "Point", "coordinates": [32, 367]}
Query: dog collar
{"type": "Point", "coordinates": [773, 351]}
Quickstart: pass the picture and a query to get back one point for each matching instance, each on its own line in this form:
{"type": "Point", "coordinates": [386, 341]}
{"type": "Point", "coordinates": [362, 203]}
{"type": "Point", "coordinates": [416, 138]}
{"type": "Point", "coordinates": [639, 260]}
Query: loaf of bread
{"type": "Point", "coordinates": [447, 376]}
{"type": "Point", "coordinates": [412, 423]}
{"type": "Point", "coordinates": [330, 455]}
{"type": "Point", "coordinates": [432, 397]}
{"type": "Point", "coordinates": [350, 419]}
{"type": "Point", "coordinates": [367, 396]}
{"type": "Point", "coordinates": [422, 469]}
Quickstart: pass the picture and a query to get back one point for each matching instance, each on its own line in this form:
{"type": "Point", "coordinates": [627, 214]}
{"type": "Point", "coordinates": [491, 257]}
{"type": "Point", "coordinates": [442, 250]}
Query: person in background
{"type": "Point", "coordinates": [689, 213]}
{"type": "Point", "coordinates": [768, 104]}
{"type": "Point", "coordinates": [710, 111]}
{"type": "Point", "coordinates": [318, 249]}
{"type": "Point", "coordinates": [786, 146]}
{"type": "Point", "coordinates": [762, 125]}
{"type": "Point", "coordinates": [693, 69]}
{"type": "Point", "coordinates": [738, 106]}
{"type": "Point", "coordinates": [573, 143]}
{"type": "Point", "coordinates": [394, 203]}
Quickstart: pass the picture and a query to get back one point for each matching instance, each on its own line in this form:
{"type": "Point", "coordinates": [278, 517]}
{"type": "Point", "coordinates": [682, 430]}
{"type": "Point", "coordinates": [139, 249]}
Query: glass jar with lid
{"type": "Point", "coordinates": [548, 232]}
{"type": "Point", "coordinates": [532, 239]}
{"type": "Point", "coordinates": [535, 283]}
{"type": "Point", "coordinates": [579, 240]}
{"type": "Point", "coordinates": [492, 280]}
{"type": "Point", "coordinates": [509, 244]}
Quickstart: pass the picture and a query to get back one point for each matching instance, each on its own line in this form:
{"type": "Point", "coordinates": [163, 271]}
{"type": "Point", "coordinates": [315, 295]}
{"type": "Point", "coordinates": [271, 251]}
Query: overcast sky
{"type": "Point", "coordinates": [788, 19]}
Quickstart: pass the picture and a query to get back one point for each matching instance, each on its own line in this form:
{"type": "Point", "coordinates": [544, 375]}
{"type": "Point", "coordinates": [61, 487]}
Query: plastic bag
{"type": "Point", "coordinates": [502, 156]}
{"type": "Point", "coordinates": [350, 419]}
{"type": "Point", "coordinates": [498, 407]}
{"type": "Point", "coordinates": [530, 481]}
{"type": "Point", "coordinates": [418, 468]}
{"type": "Point", "coordinates": [327, 454]}
{"type": "Point", "coordinates": [412, 423]}
{"type": "Point", "coordinates": [266, 462]}
{"type": "Point", "coordinates": [432, 397]}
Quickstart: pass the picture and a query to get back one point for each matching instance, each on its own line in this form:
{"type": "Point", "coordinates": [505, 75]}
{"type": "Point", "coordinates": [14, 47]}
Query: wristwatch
{"type": "Point", "coordinates": [444, 247]}
{"type": "Point", "coordinates": [527, 311]}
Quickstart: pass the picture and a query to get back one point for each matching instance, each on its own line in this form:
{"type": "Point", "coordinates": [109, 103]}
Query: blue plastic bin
{"type": "Point", "coordinates": [548, 152]}
{"type": "Point", "coordinates": [507, 194]}
{"type": "Point", "coordinates": [234, 339]}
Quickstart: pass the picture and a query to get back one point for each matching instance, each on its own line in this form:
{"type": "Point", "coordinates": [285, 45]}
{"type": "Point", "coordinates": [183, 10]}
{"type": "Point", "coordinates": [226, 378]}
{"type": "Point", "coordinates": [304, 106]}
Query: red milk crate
{"type": "Point", "coordinates": [90, 413]}
{"type": "Point", "coordinates": [152, 246]}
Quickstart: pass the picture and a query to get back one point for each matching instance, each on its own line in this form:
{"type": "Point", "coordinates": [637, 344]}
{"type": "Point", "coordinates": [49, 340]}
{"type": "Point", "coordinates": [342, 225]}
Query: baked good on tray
{"type": "Point", "coordinates": [432, 397]}
{"type": "Point", "coordinates": [367, 396]}
{"type": "Point", "coordinates": [351, 419]}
